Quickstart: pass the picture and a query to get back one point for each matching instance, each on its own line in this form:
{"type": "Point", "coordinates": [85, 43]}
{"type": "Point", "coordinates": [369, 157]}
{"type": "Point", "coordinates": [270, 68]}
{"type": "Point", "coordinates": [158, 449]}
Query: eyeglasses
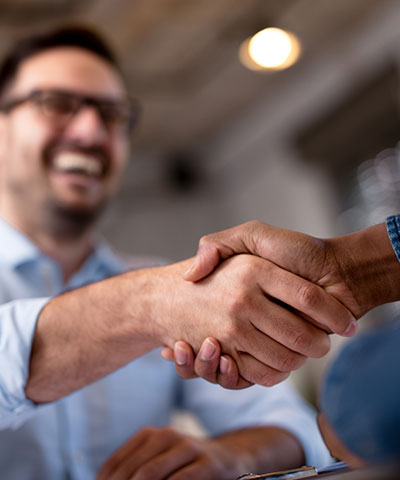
{"type": "Point", "coordinates": [60, 106]}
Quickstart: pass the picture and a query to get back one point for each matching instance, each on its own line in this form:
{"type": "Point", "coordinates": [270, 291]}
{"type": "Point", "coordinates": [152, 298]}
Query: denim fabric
{"type": "Point", "coordinates": [361, 395]}
{"type": "Point", "coordinates": [393, 229]}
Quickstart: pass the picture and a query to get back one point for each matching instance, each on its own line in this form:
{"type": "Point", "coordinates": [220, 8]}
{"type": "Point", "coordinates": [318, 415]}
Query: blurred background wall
{"type": "Point", "coordinates": [220, 144]}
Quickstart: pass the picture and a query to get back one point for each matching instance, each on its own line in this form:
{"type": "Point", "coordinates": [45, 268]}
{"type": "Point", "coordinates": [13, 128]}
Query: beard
{"type": "Point", "coordinates": [66, 221]}
{"type": "Point", "coordinates": [69, 223]}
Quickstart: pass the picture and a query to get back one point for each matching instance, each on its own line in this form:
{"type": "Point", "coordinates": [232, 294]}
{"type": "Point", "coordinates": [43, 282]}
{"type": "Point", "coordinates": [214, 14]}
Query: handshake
{"type": "Point", "coordinates": [285, 292]}
{"type": "Point", "coordinates": [255, 303]}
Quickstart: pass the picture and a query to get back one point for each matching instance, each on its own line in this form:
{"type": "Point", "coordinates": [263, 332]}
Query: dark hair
{"type": "Point", "coordinates": [73, 36]}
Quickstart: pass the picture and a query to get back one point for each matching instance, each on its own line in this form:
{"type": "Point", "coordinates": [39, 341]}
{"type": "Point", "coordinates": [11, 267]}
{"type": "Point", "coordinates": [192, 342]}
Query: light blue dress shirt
{"type": "Point", "coordinates": [71, 438]}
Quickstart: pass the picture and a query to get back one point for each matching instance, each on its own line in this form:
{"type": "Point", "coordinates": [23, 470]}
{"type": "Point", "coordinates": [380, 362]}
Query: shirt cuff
{"type": "Point", "coordinates": [17, 328]}
{"type": "Point", "coordinates": [393, 229]}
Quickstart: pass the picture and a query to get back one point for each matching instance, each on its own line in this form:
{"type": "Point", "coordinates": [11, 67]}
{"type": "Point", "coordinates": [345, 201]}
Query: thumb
{"type": "Point", "coordinates": [219, 246]}
{"type": "Point", "coordinates": [207, 258]}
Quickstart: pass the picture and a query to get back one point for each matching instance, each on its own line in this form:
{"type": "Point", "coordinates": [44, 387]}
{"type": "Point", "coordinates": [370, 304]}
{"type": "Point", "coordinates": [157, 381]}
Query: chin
{"type": "Point", "coordinates": [71, 219]}
{"type": "Point", "coordinates": [78, 201]}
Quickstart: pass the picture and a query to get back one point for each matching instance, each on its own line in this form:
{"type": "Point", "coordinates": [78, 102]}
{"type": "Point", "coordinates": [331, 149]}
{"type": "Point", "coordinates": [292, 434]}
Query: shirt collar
{"type": "Point", "coordinates": [103, 261]}
{"type": "Point", "coordinates": [16, 250]}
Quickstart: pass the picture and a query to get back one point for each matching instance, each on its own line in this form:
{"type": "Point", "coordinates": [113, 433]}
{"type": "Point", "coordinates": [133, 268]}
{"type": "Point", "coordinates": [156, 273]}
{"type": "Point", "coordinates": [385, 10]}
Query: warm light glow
{"type": "Point", "coordinates": [271, 48]}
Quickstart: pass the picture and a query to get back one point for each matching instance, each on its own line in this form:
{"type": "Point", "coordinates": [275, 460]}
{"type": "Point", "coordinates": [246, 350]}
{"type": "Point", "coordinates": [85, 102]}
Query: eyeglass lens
{"type": "Point", "coordinates": [61, 106]}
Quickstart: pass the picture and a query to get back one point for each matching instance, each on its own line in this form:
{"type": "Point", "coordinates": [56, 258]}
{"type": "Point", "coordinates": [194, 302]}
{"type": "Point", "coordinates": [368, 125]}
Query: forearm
{"type": "Point", "coordinates": [260, 450]}
{"type": "Point", "coordinates": [369, 266]}
{"type": "Point", "coordinates": [85, 334]}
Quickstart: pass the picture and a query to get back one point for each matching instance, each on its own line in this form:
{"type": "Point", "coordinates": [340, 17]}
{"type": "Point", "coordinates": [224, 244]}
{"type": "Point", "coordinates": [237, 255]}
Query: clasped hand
{"type": "Point", "coordinates": [160, 453]}
{"type": "Point", "coordinates": [302, 297]}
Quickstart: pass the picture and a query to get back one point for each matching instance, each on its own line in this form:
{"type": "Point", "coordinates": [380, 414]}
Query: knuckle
{"type": "Point", "coordinates": [234, 334]}
{"type": "Point", "coordinates": [203, 240]}
{"type": "Point", "coordinates": [267, 377]}
{"type": "Point", "coordinates": [252, 225]}
{"type": "Point", "coordinates": [206, 240]}
{"type": "Point", "coordinates": [301, 340]}
{"type": "Point", "coordinates": [246, 267]}
{"type": "Point", "coordinates": [309, 295]}
{"type": "Point", "coordinates": [233, 305]}
{"type": "Point", "coordinates": [240, 302]}
{"type": "Point", "coordinates": [291, 361]}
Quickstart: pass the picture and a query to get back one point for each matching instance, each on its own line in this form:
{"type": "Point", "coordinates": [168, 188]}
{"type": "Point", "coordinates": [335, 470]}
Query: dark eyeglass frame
{"type": "Point", "coordinates": [101, 104]}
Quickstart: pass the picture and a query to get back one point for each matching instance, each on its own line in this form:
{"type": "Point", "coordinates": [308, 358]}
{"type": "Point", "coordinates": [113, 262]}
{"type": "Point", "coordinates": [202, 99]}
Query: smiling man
{"type": "Point", "coordinates": [65, 402]}
{"type": "Point", "coordinates": [68, 178]}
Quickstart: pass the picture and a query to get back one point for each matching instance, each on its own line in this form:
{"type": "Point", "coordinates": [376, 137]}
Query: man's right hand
{"type": "Point", "coordinates": [266, 319]}
{"type": "Point", "coordinates": [92, 331]}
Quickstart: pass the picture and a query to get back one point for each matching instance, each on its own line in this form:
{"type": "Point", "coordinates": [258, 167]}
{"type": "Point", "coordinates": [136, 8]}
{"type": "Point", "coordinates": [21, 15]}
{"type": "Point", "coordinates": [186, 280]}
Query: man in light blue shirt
{"type": "Point", "coordinates": [79, 373]}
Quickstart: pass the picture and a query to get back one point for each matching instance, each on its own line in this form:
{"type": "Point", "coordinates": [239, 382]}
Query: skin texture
{"type": "Point", "coordinates": [85, 334]}
{"type": "Point", "coordinates": [159, 453]}
{"type": "Point", "coordinates": [359, 270]}
{"type": "Point", "coordinates": [124, 322]}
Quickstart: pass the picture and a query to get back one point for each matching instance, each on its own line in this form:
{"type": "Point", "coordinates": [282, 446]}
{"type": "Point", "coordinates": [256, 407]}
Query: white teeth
{"type": "Point", "coordinates": [77, 163]}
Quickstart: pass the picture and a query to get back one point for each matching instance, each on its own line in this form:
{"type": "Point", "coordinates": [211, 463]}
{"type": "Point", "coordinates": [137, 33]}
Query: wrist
{"type": "Point", "coordinates": [368, 266]}
{"type": "Point", "coordinates": [259, 449]}
{"type": "Point", "coordinates": [235, 457]}
{"type": "Point", "coordinates": [168, 304]}
{"type": "Point", "coordinates": [137, 309]}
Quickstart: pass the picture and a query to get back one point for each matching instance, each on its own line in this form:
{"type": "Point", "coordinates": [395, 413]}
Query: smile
{"type": "Point", "coordinates": [74, 162]}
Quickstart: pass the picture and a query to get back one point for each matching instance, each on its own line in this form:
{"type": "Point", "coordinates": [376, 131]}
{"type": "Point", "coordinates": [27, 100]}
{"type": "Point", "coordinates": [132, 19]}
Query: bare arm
{"type": "Point", "coordinates": [88, 333]}
{"type": "Point", "coordinates": [85, 334]}
{"type": "Point", "coordinates": [166, 453]}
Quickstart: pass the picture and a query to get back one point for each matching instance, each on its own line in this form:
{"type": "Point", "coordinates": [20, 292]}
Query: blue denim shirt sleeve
{"type": "Point", "coordinates": [393, 229]}
{"type": "Point", "coordinates": [17, 326]}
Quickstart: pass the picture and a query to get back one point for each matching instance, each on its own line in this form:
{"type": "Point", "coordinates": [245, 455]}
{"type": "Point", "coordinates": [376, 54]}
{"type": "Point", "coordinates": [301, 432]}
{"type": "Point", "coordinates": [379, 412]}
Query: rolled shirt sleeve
{"type": "Point", "coordinates": [17, 327]}
{"type": "Point", "coordinates": [393, 229]}
{"type": "Point", "coordinates": [280, 406]}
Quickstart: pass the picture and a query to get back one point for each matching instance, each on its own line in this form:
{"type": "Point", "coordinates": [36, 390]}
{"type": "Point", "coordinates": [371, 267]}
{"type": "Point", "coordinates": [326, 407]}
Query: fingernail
{"type": "Point", "coordinates": [223, 365]}
{"type": "Point", "coordinates": [351, 329]}
{"type": "Point", "coordinates": [180, 355]}
{"type": "Point", "coordinates": [207, 350]}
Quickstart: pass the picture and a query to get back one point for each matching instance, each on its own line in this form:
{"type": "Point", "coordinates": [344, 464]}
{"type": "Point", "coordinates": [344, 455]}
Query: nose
{"type": "Point", "coordinates": [87, 126]}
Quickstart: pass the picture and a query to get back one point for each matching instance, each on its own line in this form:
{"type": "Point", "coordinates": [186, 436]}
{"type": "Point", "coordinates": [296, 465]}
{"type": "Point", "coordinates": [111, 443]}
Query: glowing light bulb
{"type": "Point", "coordinates": [271, 48]}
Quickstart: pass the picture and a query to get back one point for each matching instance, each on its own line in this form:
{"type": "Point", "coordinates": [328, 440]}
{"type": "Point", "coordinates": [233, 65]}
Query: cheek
{"type": "Point", "coordinates": [121, 152]}
{"type": "Point", "coordinates": [26, 140]}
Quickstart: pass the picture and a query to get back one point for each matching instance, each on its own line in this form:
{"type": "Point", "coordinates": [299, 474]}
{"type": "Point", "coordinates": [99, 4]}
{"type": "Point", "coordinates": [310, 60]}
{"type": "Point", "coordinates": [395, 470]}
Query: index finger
{"type": "Point", "coordinates": [311, 300]}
